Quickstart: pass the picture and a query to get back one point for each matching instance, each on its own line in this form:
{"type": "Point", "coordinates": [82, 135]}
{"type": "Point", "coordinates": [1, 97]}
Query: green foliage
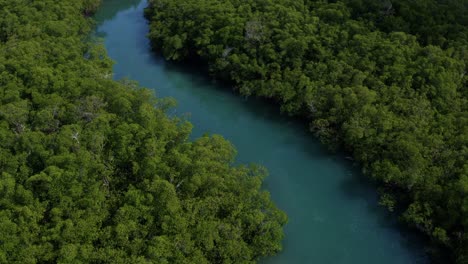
{"type": "Point", "coordinates": [93, 170]}
{"type": "Point", "coordinates": [435, 22]}
{"type": "Point", "coordinates": [399, 106]}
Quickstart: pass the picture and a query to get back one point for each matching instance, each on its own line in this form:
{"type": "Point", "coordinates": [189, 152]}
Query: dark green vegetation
{"type": "Point", "coordinates": [94, 171]}
{"type": "Point", "coordinates": [442, 23]}
{"type": "Point", "coordinates": [396, 103]}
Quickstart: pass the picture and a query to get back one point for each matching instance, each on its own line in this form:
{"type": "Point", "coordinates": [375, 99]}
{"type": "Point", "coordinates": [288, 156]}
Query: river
{"type": "Point", "coordinates": [334, 216]}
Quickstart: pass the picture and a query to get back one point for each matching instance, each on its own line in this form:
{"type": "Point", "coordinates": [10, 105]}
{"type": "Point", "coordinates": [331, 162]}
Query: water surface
{"type": "Point", "coordinates": [333, 212]}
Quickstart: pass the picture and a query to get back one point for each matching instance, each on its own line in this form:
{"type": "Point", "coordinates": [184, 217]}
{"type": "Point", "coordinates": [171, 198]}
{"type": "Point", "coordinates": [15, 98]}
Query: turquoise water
{"type": "Point", "coordinates": [333, 212]}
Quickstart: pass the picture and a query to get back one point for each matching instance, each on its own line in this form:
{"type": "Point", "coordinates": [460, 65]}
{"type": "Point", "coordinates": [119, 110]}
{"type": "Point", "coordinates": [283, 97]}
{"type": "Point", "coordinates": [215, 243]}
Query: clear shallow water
{"type": "Point", "coordinates": [333, 212]}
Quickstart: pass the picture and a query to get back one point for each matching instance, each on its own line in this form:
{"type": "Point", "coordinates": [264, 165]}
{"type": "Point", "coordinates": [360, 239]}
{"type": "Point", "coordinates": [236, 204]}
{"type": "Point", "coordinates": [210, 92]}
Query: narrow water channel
{"type": "Point", "coordinates": [333, 212]}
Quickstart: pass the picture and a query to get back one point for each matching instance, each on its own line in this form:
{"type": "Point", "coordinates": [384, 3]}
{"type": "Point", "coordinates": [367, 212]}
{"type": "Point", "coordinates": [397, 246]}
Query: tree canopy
{"type": "Point", "coordinates": [369, 77]}
{"type": "Point", "coordinates": [93, 171]}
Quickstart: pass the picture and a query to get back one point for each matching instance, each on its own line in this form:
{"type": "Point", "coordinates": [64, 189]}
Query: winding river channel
{"type": "Point", "coordinates": [334, 216]}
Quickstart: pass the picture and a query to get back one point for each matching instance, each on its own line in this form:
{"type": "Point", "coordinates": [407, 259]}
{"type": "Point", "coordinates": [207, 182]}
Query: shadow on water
{"type": "Point", "coordinates": [112, 7]}
{"type": "Point", "coordinates": [333, 210]}
{"type": "Point", "coordinates": [361, 186]}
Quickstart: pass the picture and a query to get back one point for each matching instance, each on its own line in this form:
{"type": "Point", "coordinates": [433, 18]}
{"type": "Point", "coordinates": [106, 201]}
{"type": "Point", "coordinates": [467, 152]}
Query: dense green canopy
{"type": "Point", "coordinates": [94, 171]}
{"type": "Point", "coordinates": [434, 22]}
{"type": "Point", "coordinates": [365, 83]}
